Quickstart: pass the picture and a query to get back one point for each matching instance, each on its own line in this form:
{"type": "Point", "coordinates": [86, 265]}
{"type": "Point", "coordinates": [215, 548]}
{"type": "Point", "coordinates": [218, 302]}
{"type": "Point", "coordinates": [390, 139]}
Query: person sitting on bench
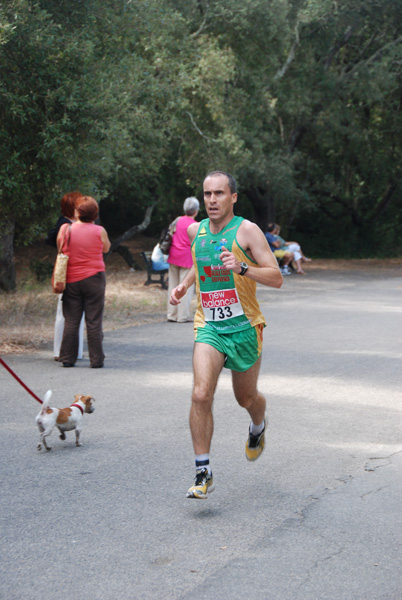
{"type": "Point", "coordinates": [284, 257]}
{"type": "Point", "coordinates": [159, 260]}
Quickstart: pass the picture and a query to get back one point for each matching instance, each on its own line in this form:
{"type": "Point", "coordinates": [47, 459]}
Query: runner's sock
{"type": "Point", "coordinates": [202, 462]}
{"type": "Point", "coordinates": [257, 429]}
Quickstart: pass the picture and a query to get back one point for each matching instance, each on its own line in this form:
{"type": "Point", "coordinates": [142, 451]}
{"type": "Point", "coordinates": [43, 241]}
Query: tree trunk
{"type": "Point", "coordinates": [124, 251]}
{"type": "Point", "coordinates": [133, 231]}
{"type": "Point", "coordinates": [7, 269]}
{"type": "Point", "coordinates": [263, 205]}
{"type": "Point", "coordinates": [128, 257]}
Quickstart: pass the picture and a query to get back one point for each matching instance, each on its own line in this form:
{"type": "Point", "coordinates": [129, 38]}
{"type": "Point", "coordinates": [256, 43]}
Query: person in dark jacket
{"type": "Point", "coordinates": [67, 216]}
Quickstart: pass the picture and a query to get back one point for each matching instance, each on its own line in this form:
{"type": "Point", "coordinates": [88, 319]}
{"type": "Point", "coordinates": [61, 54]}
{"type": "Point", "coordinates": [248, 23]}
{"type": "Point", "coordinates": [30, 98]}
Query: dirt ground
{"type": "Point", "coordinates": [27, 316]}
{"type": "Point", "coordinates": [116, 264]}
{"type": "Point", "coordinates": [357, 264]}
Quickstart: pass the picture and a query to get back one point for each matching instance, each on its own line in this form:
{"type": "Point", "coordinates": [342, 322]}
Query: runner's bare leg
{"type": "Point", "coordinates": [246, 393]}
{"type": "Point", "coordinates": [207, 365]}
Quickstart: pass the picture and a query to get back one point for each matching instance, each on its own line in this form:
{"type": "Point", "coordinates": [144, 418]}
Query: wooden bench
{"type": "Point", "coordinates": [151, 271]}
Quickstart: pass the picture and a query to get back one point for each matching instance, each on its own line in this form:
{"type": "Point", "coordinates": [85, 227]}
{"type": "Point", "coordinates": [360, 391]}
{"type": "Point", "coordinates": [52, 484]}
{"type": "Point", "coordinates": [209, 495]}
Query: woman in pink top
{"type": "Point", "coordinates": [180, 261]}
{"type": "Point", "coordinates": [85, 245]}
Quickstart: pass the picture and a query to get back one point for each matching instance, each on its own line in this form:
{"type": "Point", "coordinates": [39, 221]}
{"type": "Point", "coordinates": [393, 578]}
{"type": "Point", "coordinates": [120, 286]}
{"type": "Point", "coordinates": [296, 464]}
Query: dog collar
{"type": "Point", "coordinates": [78, 406]}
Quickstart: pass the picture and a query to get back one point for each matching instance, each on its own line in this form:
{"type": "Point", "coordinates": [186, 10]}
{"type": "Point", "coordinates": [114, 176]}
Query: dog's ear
{"type": "Point", "coordinates": [87, 399]}
{"type": "Point", "coordinates": [77, 397]}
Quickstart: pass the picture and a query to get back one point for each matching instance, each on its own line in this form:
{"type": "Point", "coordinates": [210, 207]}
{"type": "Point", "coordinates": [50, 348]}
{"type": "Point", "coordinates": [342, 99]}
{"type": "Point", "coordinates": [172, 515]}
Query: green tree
{"type": "Point", "coordinates": [134, 102]}
{"type": "Point", "coordinates": [350, 143]}
{"type": "Point", "coordinates": [89, 95]}
{"type": "Point", "coordinates": [312, 111]}
{"type": "Point", "coordinates": [339, 114]}
{"type": "Point", "coordinates": [49, 125]}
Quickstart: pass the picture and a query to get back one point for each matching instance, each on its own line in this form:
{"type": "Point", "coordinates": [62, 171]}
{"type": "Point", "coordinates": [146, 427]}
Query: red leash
{"type": "Point", "coordinates": [19, 380]}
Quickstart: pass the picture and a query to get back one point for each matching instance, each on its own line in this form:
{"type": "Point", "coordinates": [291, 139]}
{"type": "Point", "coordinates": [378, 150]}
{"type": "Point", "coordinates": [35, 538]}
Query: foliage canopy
{"type": "Point", "coordinates": [133, 102]}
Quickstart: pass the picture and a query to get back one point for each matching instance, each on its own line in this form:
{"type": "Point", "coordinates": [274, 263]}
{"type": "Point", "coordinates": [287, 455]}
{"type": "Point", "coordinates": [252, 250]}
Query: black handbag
{"type": "Point", "coordinates": [167, 236]}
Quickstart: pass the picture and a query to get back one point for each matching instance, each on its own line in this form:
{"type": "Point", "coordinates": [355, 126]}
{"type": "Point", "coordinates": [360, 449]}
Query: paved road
{"type": "Point", "coordinates": [318, 516]}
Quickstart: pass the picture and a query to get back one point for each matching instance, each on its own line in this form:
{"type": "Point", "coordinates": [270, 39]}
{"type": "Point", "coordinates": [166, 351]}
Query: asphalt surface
{"type": "Point", "coordinates": [318, 516]}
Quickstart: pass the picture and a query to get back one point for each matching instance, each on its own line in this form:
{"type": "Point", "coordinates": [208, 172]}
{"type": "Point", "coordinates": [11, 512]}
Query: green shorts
{"type": "Point", "coordinates": [241, 349]}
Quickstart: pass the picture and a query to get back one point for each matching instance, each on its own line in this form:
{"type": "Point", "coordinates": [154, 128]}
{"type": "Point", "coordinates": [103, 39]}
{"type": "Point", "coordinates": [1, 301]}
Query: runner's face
{"type": "Point", "coordinates": [218, 199]}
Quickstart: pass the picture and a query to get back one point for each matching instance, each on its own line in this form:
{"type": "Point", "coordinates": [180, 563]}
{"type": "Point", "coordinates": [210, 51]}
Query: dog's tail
{"type": "Point", "coordinates": [46, 401]}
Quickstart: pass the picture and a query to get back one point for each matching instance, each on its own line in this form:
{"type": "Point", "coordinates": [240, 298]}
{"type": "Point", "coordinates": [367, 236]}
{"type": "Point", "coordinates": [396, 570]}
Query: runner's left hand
{"type": "Point", "coordinates": [229, 261]}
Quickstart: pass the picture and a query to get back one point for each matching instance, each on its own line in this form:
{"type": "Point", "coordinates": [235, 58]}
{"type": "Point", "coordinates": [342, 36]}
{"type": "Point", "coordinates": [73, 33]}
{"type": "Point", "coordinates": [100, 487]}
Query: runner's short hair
{"type": "Point", "coordinates": [231, 180]}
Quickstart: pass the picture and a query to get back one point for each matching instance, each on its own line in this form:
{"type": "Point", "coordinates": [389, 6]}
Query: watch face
{"type": "Point", "coordinates": [244, 267]}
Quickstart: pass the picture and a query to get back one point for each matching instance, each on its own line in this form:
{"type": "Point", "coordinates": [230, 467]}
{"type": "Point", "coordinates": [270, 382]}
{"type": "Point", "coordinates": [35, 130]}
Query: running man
{"type": "Point", "coordinates": [230, 256]}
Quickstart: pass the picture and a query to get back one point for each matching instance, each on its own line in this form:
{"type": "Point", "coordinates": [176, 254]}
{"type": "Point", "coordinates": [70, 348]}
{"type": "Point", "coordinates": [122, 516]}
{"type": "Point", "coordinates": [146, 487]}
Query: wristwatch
{"type": "Point", "coordinates": [244, 267]}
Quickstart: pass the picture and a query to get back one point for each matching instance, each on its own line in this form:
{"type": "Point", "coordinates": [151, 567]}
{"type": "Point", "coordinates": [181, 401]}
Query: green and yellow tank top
{"type": "Point", "coordinates": [226, 301]}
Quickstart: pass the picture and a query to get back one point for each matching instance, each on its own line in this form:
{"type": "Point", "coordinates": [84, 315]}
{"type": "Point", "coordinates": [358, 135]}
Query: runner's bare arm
{"type": "Point", "coordinates": [192, 231]}
{"type": "Point", "coordinates": [251, 238]}
{"type": "Point", "coordinates": [179, 291]}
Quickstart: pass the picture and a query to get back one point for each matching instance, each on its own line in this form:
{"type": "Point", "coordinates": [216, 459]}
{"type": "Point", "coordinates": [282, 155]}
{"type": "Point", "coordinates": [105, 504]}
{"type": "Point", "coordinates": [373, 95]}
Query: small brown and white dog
{"type": "Point", "coordinates": [66, 419]}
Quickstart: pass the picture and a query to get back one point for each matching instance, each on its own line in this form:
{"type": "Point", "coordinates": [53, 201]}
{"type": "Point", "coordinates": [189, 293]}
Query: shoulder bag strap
{"type": "Point", "coordinates": [67, 228]}
{"type": "Point", "coordinates": [172, 226]}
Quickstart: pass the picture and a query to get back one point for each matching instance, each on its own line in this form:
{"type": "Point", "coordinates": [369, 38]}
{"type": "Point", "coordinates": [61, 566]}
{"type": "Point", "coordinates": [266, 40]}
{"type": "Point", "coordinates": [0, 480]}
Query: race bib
{"type": "Point", "coordinates": [221, 305]}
